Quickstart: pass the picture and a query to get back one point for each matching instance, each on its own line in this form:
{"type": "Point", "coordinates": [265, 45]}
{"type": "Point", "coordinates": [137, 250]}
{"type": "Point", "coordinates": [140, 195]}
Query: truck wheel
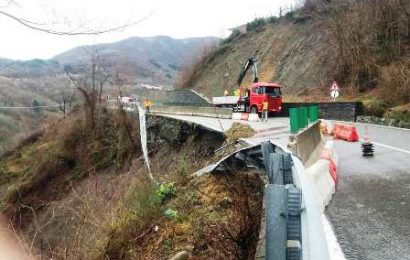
{"type": "Point", "coordinates": [254, 110]}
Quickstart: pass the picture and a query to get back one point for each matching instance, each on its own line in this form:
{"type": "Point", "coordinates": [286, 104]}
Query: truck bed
{"type": "Point", "coordinates": [228, 100]}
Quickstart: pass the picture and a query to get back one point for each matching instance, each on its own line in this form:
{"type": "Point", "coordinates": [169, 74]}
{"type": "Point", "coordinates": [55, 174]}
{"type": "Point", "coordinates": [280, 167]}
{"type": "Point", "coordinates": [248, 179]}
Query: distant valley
{"type": "Point", "coordinates": [151, 61]}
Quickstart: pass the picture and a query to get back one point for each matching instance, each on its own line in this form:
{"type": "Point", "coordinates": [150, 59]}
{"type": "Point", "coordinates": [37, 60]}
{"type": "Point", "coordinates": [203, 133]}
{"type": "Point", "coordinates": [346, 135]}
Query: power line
{"type": "Point", "coordinates": [29, 107]}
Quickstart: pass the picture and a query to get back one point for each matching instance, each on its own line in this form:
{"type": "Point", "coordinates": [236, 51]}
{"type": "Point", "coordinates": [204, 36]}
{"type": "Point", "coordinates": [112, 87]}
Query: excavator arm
{"type": "Point", "coordinates": [249, 63]}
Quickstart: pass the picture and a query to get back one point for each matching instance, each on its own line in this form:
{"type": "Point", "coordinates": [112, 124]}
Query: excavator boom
{"type": "Point", "coordinates": [249, 63]}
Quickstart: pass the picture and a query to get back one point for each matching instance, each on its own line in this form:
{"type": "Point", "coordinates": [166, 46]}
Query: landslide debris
{"type": "Point", "coordinates": [231, 144]}
{"type": "Point", "coordinates": [238, 131]}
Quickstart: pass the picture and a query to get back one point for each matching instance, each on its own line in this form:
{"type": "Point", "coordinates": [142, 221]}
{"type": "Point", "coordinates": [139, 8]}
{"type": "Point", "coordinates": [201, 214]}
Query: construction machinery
{"type": "Point", "coordinates": [251, 97]}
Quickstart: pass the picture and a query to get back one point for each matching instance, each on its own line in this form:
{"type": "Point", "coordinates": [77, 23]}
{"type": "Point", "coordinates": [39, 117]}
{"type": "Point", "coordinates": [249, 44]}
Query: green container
{"type": "Point", "coordinates": [313, 114]}
{"type": "Point", "coordinates": [303, 117]}
{"type": "Point", "coordinates": [294, 120]}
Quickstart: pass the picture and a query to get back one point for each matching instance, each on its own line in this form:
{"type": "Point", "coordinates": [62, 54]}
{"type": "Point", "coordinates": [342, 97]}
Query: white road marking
{"type": "Point", "coordinates": [335, 251]}
{"type": "Point", "coordinates": [382, 126]}
{"type": "Point", "coordinates": [389, 147]}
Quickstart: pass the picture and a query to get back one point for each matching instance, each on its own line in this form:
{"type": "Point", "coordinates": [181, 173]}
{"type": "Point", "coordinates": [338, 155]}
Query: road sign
{"type": "Point", "coordinates": [334, 94]}
{"type": "Point", "coordinates": [334, 86]}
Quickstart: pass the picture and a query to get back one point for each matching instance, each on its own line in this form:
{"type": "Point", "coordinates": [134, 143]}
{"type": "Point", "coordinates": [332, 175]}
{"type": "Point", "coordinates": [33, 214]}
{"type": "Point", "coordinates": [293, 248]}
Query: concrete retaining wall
{"type": "Point", "coordinates": [308, 144]}
{"type": "Point", "coordinates": [181, 97]}
{"type": "Point", "coordinates": [345, 111]}
{"type": "Point", "coordinates": [193, 111]}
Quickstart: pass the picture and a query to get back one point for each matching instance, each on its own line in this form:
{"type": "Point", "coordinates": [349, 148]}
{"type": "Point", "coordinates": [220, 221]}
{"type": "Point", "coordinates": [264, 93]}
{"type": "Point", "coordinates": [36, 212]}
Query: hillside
{"type": "Point", "coordinates": [286, 52]}
{"type": "Point", "coordinates": [72, 192]}
{"type": "Point", "coordinates": [153, 61]}
{"type": "Point", "coordinates": [353, 42]}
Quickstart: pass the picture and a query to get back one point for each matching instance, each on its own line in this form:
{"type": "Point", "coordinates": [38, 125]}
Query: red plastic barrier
{"type": "Point", "coordinates": [327, 155]}
{"type": "Point", "coordinates": [245, 116]}
{"type": "Point", "coordinates": [345, 132]}
{"type": "Point", "coordinates": [333, 172]}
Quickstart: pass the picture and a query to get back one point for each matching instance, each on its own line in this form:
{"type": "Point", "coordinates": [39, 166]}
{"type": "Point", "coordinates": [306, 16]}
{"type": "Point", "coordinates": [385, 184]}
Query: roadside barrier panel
{"type": "Point", "coordinates": [345, 132]}
{"type": "Point", "coordinates": [323, 181]}
{"type": "Point", "coordinates": [313, 114]}
{"type": "Point", "coordinates": [236, 116]}
{"type": "Point", "coordinates": [253, 117]}
{"type": "Point", "coordinates": [294, 121]}
{"type": "Point", "coordinates": [308, 144]}
{"type": "Point", "coordinates": [327, 155]}
{"type": "Point", "coordinates": [302, 117]}
{"type": "Point", "coordinates": [244, 116]}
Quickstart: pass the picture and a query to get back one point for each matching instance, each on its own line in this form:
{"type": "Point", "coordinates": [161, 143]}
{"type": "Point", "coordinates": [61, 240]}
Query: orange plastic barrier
{"type": "Point", "coordinates": [345, 132]}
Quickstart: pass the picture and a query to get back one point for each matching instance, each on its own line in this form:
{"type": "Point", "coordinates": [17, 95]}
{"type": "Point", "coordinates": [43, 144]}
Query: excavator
{"type": "Point", "coordinates": [251, 98]}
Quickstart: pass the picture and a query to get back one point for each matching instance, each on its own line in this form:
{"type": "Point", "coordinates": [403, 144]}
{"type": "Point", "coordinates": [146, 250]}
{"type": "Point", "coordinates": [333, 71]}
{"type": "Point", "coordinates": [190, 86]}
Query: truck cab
{"type": "Point", "coordinates": [260, 91]}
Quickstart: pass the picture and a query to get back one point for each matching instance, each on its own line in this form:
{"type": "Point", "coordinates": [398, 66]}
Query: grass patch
{"type": "Point", "coordinates": [401, 113]}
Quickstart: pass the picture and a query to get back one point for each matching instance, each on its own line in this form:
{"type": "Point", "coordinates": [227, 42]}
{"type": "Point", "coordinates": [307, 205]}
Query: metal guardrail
{"type": "Point", "coordinates": [294, 229]}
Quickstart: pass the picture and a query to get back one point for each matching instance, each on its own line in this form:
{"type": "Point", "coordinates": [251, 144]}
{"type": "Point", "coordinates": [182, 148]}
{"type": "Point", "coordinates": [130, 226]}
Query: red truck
{"type": "Point", "coordinates": [260, 91]}
{"type": "Point", "coordinates": [251, 100]}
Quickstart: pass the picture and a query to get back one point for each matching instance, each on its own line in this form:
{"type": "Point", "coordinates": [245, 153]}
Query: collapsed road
{"type": "Point", "coordinates": [370, 210]}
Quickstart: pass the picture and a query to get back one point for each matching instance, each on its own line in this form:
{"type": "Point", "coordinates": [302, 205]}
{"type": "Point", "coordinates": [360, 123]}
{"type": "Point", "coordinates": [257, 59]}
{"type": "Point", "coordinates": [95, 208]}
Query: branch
{"type": "Point", "coordinates": [36, 26]}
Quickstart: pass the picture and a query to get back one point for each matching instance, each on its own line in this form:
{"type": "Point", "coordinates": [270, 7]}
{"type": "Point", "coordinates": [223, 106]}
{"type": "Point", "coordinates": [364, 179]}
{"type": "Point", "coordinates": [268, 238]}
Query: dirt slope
{"type": "Point", "coordinates": [294, 54]}
{"type": "Point", "coordinates": [363, 45]}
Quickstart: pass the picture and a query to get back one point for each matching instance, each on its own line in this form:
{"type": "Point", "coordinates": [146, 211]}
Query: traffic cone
{"type": "Point", "coordinates": [367, 146]}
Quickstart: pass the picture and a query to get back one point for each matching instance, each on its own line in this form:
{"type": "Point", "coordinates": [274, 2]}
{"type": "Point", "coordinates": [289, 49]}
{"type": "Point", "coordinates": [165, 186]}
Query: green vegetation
{"type": "Point", "coordinates": [375, 106]}
{"type": "Point", "coordinates": [166, 191]}
{"type": "Point", "coordinates": [401, 113]}
{"type": "Point", "coordinates": [257, 23]}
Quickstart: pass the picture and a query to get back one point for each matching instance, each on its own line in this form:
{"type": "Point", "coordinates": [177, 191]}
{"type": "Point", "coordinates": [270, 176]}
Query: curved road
{"type": "Point", "coordinates": [370, 212]}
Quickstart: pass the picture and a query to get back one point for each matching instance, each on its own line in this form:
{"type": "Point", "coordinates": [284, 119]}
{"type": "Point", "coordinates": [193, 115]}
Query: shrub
{"type": "Point", "coordinates": [273, 19]}
{"type": "Point", "coordinates": [165, 191]}
{"type": "Point", "coordinates": [375, 107]}
{"type": "Point", "coordinates": [255, 24]}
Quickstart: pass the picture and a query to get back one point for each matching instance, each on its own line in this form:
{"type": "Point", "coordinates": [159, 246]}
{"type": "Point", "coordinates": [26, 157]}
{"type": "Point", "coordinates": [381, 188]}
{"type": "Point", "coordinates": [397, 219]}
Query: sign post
{"type": "Point", "coordinates": [334, 91]}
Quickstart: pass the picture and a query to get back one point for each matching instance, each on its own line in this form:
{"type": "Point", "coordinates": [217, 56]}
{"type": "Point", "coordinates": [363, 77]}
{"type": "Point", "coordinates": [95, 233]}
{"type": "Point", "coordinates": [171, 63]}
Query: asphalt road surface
{"type": "Point", "coordinates": [370, 212]}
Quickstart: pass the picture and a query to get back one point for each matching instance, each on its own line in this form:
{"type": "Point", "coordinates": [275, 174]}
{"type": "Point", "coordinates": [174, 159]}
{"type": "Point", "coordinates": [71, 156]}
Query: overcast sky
{"type": "Point", "coordinates": [175, 18]}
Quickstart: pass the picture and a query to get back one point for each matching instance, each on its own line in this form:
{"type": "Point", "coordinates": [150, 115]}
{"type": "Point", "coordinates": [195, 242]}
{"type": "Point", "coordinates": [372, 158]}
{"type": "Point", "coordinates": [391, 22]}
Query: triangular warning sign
{"type": "Point", "coordinates": [334, 86]}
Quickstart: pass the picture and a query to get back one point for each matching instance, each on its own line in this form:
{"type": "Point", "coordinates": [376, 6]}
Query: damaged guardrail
{"type": "Point", "coordinates": [292, 216]}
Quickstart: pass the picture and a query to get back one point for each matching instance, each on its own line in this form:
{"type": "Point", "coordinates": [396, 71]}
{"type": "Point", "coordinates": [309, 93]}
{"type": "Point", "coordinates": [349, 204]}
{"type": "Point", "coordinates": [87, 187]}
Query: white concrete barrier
{"type": "Point", "coordinates": [236, 116]}
{"type": "Point", "coordinates": [193, 111]}
{"type": "Point", "coordinates": [330, 146]}
{"type": "Point", "coordinates": [254, 117]}
{"type": "Point", "coordinates": [323, 182]}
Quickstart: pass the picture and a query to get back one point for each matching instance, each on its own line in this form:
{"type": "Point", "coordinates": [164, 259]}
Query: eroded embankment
{"type": "Point", "coordinates": [115, 212]}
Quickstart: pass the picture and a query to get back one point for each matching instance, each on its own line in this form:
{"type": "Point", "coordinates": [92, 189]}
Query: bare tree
{"type": "Point", "coordinates": [90, 85]}
{"type": "Point", "coordinates": [67, 97]}
{"type": "Point", "coordinates": [118, 82]}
